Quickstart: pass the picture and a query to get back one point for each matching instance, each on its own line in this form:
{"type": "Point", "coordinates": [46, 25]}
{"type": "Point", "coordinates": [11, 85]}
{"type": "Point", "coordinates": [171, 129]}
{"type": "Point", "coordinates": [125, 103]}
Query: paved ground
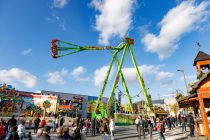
{"type": "Point", "coordinates": [129, 133]}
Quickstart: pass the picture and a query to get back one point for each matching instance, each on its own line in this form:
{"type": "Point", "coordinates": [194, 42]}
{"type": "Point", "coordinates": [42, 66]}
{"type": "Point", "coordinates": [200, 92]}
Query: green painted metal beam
{"type": "Point", "coordinates": [140, 78]}
{"type": "Point", "coordinates": [110, 101]}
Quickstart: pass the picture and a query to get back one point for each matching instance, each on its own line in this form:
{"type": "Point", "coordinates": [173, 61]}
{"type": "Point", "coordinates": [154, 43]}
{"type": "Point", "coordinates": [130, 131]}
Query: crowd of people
{"type": "Point", "coordinates": [15, 130]}
{"type": "Point", "coordinates": [12, 130]}
{"type": "Point", "coordinates": [148, 125]}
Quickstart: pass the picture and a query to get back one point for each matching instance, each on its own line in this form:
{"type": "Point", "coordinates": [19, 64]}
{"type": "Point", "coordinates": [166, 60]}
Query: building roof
{"type": "Point", "coordinates": [68, 96]}
{"type": "Point", "coordinates": [160, 101]}
{"type": "Point", "coordinates": [182, 102]}
{"type": "Point", "coordinates": [201, 56]}
{"type": "Point", "coordinates": [204, 76]}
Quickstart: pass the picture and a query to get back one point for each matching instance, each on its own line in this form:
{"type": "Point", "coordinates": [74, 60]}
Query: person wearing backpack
{"type": "Point", "coordinates": [159, 127]}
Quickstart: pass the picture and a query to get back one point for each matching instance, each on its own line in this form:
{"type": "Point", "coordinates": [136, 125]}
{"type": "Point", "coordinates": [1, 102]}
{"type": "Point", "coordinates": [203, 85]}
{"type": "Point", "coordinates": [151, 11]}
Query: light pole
{"type": "Point", "coordinates": [182, 71]}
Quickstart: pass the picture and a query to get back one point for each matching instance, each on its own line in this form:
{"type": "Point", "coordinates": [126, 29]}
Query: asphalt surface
{"type": "Point", "coordinates": [130, 133]}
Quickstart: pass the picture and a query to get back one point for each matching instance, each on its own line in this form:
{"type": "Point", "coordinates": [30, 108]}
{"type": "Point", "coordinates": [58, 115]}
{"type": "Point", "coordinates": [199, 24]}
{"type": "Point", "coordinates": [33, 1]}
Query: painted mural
{"type": "Point", "coordinates": [75, 103]}
{"type": "Point", "coordinates": [26, 104]}
{"type": "Point", "coordinates": [10, 101]}
{"type": "Point", "coordinates": [34, 105]}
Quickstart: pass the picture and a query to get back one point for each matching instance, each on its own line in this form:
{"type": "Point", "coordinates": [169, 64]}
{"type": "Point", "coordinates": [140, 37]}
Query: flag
{"type": "Point", "coordinates": [198, 45]}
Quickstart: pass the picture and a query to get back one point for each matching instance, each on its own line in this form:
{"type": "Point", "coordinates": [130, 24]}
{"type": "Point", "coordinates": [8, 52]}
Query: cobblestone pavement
{"type": "Point", "coordinates": [129, 133]}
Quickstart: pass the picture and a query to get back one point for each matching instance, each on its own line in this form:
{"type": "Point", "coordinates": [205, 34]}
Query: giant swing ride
{"type": "Point", "coordinates": [61, 48]}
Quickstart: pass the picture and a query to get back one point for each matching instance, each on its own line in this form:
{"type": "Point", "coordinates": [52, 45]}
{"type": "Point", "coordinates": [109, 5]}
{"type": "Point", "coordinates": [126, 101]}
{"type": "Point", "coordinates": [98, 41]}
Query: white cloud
{"type": "Point", "coordinates": [163, 75]}
{"type": "Point", "coordinates": [15, 76]}
{"type": "Point", "coordinates": [145, 70]}
{"type": "Point", "coordinates": [78, 71]}
{"type": "Point", "coordinates": [27, 51]}
{"type": "Point", "coordinates": [60, 77]}
{"type": "Point", "coordinates": [100, 75]}
{"type": "Point", "coordinates": [184, 18]}
{"type": "Point", "coordinates": [57, 77]}
{"type": "Point", "coordinates": [77, 74]}
{"type": "Point", "coordinates": [114, 19]}
{"type": "Point", "coordinates": [60, 3]}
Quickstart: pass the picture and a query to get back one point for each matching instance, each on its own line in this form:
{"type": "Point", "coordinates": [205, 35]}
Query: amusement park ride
{"type": "Point", "coordinates": [61, 48]}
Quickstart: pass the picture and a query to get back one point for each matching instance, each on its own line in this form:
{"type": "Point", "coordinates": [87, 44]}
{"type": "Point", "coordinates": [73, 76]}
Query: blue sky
{"type": "Point", "coordinates": [165, 34]}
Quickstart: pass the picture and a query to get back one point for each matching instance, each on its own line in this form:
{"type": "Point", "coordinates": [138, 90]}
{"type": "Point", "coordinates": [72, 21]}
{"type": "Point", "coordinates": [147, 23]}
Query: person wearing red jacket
{"type": "Point", "coordinates": [2, 131]}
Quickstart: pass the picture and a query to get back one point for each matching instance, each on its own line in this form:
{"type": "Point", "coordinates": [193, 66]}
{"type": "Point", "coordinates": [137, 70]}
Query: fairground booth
{"type": "Point", "coordinates": [199, 98]}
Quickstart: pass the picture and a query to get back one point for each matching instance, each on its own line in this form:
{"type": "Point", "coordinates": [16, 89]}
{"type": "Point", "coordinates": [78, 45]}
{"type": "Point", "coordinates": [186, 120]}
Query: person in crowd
{"type": "Point", "coordinates": [61, 121]}
{"type": "Point", "coordinates": [29, 137]}
{"type": "Point", "coordinates": [141, 127]}
{"type": "Point", "coordinates": [137, 124]}
{"type": "Point", "coordinates": [56, 121]}
{"type": "Point", "coordinates": [59, 133]}
{"type": "Point", "coordinates": [66, 135]}
{"type": "Point", "coordinates": [43, 123]}
{"type": "Point", "coordinates": [93, 127]}
{"type": "Point", "coordinates": [152, 122]}
{"type": "Point", "coordinates": [97, 126]}
{"type": "Point", "coordinates": [36, 124]}
{"type": "Point", "coordinates": [12, 122]}
{"type": "Point", "coordinates": [2, 131]}
{"type": "Point", "coordinates": [146, 123]}
{"type": "Point", "coordinates": [150, 127]}
{"type": "Point", "coordinates": [159, 129]}
{"type": "Point", "coordinates": [81, 124]}
{"type": "Point", "coordinates": [30, 123]}
{"type": "Point", "coordinates": [180, 119]}
{"type": "Point", "coordinates": [112, 128]}
{"type": "Point", "coordinates": [169, 123]}
{"type": "Point", "coordinates": [164, 125]}
{"type": "Point", "coordinates": [46, 131]}
{"type": "Point", "coordinates": [87, 126]}
{"type": "Point", "coordinates": [21, 130]}
{"type": "Point", "coordinates": [183, 124]}
{"type": "Point", "coordinates": [191, 124]}
{"type": "Point", "coordinates": [77, 134]}
{"type": "Point", "coordinates": [39, 133]}
{"type": "Point", "coordinates": [12, 134]}
{"type": "Point", "coordinates": [105, 128]}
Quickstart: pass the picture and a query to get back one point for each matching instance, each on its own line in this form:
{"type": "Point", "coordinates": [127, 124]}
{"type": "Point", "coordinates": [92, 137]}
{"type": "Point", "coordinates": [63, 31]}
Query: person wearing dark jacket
{"type": "Point", "coordinates": [93, 127]}
{"type": "Point", "coordinates": [46, 132]}
{"type": "Point", "coordinates": [141, 127]}
{"type": "Point", "coordinates": [191, 124]}
{"type": "Point", "coordinates": [36, 124]}
{"type": "Point", "coordinates": [12, 122]}
{"type": "Point", "coordinates": [66, 135]}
